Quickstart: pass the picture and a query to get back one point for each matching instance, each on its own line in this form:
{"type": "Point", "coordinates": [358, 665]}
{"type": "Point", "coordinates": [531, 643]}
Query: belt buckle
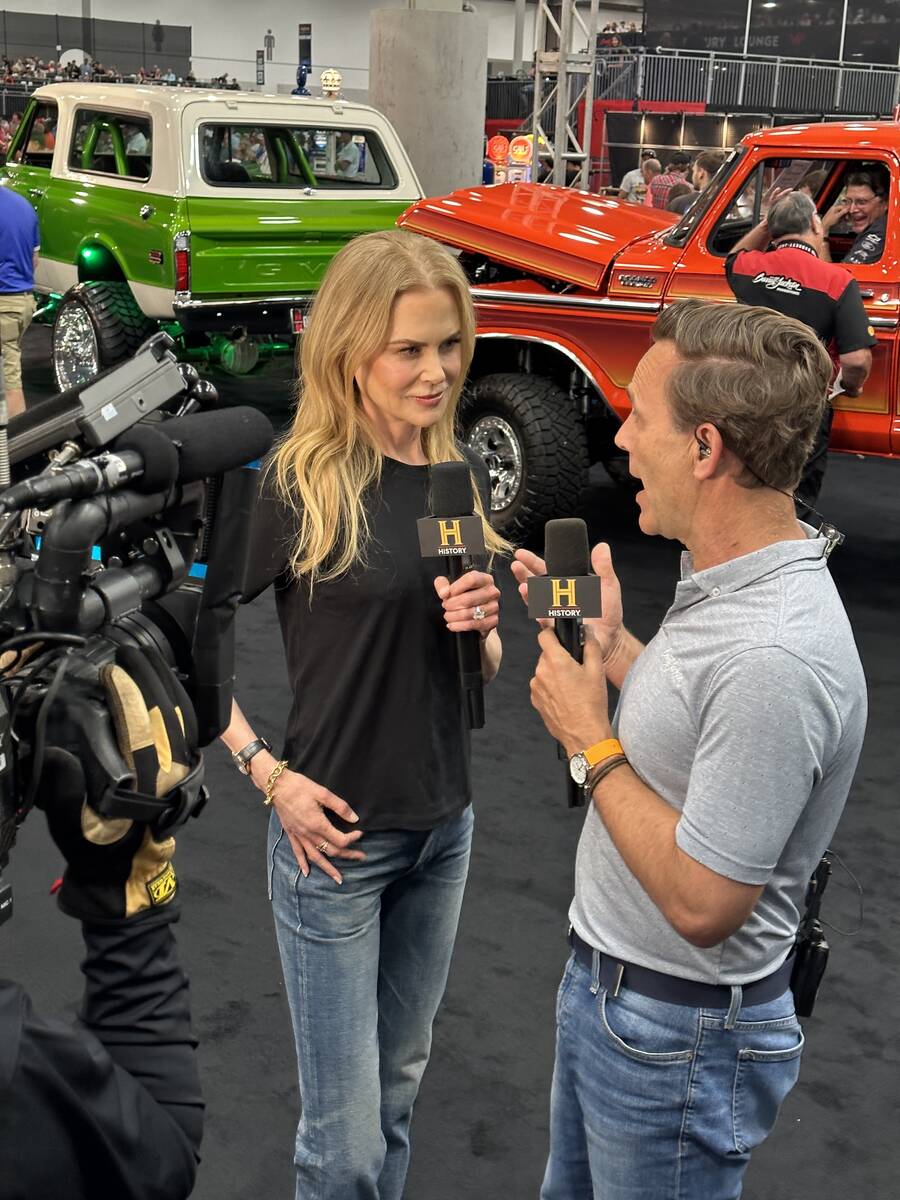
{"type": "Point", "coordinates": [620, 971]}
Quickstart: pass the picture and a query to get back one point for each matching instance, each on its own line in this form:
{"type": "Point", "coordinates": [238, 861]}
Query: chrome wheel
{"type": "Point", "coordinates": [496, 442]}
{"type": "Point", "coordinates": [76, 353]}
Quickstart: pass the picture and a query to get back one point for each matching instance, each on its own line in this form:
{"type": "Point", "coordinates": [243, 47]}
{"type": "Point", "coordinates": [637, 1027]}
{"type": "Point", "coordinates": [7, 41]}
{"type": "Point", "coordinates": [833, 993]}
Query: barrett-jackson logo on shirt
{"type": "Point", "coordinates": [778, 283]}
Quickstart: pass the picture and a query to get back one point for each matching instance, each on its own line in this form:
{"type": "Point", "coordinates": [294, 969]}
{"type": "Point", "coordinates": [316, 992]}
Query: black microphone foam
{"type": "Point", "coordinates": [451, 489]}
{"type": "Point", "coordinates": [451, 496]}
{"type": "Point", "coordinates": [158, 453]}
{"type": "Point", "coordinates": [212, 443]}
{"type": "Point", "coordinates": [567, 556]}
{"type": "Point", "coordinates": [566, 549]}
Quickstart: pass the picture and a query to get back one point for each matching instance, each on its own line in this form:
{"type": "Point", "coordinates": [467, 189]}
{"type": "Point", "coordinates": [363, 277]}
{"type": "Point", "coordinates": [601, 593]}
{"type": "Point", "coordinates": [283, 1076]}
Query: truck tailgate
{"type": "Point", "coordinates": [273, 246]}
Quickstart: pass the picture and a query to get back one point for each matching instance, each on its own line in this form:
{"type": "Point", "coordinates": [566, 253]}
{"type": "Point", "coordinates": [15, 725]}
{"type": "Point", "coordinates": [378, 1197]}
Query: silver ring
{"type": "Point", "coordinates": [479, 614]}
{"type": "Point", "coordinates": [322, 847]}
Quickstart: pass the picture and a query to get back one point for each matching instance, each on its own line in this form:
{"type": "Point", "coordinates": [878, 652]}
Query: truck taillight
{"type": "Point", "coordinates": [182, 262]}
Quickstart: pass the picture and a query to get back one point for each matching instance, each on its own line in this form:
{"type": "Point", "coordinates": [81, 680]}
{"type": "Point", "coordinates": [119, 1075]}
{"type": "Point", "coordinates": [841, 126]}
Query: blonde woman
{"type": "Point", "coordinates": [372, 821]}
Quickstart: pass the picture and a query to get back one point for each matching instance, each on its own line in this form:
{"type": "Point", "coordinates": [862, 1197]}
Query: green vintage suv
{"type": "Point", "coordinates": [212, 214]}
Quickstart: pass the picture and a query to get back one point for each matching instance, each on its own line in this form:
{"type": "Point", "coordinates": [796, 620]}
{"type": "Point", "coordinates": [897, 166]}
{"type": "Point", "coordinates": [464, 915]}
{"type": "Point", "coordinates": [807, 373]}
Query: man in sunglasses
{"type": "Point", "coordinates": [864, 208]}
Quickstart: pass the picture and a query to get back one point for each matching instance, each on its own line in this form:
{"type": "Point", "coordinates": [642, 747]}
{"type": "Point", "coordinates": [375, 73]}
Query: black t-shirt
{"type": "Point", "coordinates": [376, 715]}
{"type": "Point", "coordinates": [793, 280]}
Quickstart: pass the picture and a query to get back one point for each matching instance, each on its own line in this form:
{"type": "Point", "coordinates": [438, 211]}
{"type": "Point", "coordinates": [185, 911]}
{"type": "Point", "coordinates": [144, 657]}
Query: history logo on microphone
{"type": "Point", "coordinates": [564, 598]}
{"type": "Point", "coordinates": [451, 537]}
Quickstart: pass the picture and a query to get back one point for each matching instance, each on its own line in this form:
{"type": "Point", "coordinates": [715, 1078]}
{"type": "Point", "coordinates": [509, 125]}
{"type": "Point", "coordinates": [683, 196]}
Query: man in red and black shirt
{"type": "Point", "coordinates": [676, 172]}
{"type": "Point", "coordinates": [778, 265]}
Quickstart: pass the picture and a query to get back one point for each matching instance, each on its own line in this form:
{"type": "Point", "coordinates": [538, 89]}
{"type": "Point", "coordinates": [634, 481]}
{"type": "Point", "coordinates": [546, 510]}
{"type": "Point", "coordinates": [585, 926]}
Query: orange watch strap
{"type": "Point", "coordinates": [606, 749]}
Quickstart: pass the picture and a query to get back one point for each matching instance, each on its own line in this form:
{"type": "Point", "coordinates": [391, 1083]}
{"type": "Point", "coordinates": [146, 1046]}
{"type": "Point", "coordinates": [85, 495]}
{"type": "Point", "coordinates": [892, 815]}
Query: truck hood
{"type": "Point", "coordinates": [548, 230]}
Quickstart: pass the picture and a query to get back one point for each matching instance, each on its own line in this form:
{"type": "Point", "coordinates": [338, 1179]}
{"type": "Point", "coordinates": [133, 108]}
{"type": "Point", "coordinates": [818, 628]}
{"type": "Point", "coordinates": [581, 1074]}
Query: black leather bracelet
{"type": "Point", "coordinates": [603, 769]}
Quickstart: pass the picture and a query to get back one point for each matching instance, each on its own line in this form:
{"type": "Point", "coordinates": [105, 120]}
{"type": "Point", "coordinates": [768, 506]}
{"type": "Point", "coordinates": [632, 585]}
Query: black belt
{"type": "Point", "coordinates": [615, 974]}
{"type": "Point", "coordinates": [30, 292]}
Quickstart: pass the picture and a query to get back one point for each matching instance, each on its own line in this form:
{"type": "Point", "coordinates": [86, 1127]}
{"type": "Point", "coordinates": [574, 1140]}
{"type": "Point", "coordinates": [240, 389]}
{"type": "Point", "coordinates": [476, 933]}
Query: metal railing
{"type": "Point", "coordinates": [14, 100]}
{"type": "Point", "coordinates": [510, 99]}
{"type": "Point", "coordinates": [733, 81]}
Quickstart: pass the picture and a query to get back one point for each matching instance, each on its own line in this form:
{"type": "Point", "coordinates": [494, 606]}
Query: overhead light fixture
{"type": "Point", "coordinates": [769, 4]}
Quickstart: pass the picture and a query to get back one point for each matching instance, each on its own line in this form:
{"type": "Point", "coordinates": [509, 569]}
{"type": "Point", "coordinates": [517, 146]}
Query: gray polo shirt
{"type": "Point", "coordinates": [746, 713]}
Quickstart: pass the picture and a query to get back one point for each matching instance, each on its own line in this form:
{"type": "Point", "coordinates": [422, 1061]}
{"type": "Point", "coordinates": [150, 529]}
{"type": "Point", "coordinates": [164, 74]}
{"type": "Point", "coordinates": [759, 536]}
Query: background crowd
{"type": "Point", "coordinates": [673, 187]}
{"type": "Point", "coordinates": [28, 71]}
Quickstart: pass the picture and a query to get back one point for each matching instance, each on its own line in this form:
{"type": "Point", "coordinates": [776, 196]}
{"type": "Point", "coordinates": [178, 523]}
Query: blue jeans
{"type": "Point", "coordinates": [655, 1101]}
{"type": "Point", "coordinates": [365, 966]}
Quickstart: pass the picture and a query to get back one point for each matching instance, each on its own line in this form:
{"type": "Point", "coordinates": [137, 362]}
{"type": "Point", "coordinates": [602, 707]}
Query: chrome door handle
{"type": "Point", "coordinates": [36, 192]}
{"type": "Point", "coordinates": [867, 295]}
{"type": "Point", "coordinates": [147, 211]}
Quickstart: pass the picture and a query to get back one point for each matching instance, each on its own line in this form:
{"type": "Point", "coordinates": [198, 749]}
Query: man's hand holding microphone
{"type": "Point", "coordinates": [571, 696]}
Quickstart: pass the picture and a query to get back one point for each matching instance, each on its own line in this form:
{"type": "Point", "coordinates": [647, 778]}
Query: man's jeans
{"type": "Point", "coordinates": [365, 966]}
{"type": "Point", "coordinates": [655, 1101]}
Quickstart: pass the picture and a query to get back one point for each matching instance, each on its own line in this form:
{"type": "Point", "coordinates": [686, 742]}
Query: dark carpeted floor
{"type": "Point", "coordinates": [479, 1130]}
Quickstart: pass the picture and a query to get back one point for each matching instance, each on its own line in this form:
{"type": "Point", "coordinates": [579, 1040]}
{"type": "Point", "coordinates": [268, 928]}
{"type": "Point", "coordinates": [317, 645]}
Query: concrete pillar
{"type": "Point", "coordinates": [428, 75]}
{"type": "Point", "coordinates": [518, 36]}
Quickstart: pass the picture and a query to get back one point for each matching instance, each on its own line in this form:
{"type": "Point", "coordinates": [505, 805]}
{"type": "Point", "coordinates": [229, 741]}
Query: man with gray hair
{"type": "Point", "coordinates": [779, 265]}
{"type": "Point", "coordinates": [717, 784]}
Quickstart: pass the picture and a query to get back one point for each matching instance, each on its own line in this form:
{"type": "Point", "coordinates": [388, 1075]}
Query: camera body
{"type": "Point", "coordinates": [134, 548]}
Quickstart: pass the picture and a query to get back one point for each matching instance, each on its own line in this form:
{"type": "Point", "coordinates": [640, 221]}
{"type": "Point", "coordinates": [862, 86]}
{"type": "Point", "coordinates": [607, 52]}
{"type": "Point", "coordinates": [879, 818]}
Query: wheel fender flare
{"type": "Point", "coordinates": [96, 260]}
{"type": "Point", "coordinates": [609, 392]}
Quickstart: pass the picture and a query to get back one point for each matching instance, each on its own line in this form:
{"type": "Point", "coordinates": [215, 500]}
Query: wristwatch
{"type": "Point", "coordinates": [242, 757]}
{"type": "Point", "coordinates": [582, 762]}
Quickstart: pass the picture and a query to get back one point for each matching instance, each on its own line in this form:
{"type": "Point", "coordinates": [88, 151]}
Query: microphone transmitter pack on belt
{"type": "Point", "coordinates": [566, 595]}
{"type": "Point", "coordinates": [455, 535]}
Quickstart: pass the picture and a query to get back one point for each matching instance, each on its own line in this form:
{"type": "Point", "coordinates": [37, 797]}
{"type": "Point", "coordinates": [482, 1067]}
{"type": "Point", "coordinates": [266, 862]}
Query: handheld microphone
{"type": "Point", "coordinates": [453, 526]}
{"type": "Point", "coordinates": [567, 593]}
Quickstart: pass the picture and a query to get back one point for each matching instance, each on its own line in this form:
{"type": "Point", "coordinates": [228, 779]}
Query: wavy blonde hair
{"type": "Point", "coordinates": [330, 458]}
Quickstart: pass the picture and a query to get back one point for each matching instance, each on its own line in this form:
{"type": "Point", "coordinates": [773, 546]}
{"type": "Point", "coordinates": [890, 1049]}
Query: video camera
{"type": "Point", "coordinates": [127, 526]}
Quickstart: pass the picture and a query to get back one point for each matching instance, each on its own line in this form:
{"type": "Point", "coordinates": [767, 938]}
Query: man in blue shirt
{"type": "Point", "coordinates": [18, 258]}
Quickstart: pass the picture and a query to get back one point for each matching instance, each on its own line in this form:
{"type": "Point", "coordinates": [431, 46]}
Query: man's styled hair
{"type": "Point", "coordinates": [874, 178]}
{"type": "Point", "coordinates": [761, 378]}
{"type": "Point", "coordinates": [793, 213]}
{"type": "Point", "coordinates": [680, 160]}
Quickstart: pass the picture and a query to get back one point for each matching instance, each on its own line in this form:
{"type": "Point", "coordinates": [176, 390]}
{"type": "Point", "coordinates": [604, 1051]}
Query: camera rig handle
{"type": "Point", "coordinates": [111, 783]}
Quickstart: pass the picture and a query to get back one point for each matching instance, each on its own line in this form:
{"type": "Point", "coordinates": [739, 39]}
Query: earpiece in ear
{"type": "Point", "coordinates": [705, 451]}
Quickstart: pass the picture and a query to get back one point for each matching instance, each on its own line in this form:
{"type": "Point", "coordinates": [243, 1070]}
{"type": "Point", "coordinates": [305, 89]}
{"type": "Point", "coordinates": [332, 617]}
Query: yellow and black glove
{"type": "Point", "coordinates": [116, 868]}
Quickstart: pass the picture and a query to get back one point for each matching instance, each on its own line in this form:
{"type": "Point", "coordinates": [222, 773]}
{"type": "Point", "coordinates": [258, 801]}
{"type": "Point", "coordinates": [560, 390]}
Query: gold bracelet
{"type": "Point", "coordinates": [274, 775]}
{"type": "Point", "coordinates": [602, 769]}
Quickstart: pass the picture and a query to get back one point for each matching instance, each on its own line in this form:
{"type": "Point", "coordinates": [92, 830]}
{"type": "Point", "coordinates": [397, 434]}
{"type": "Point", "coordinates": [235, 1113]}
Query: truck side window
{"type": "Point", "coordinates": [856, 218]}
{"type": "Point", "coordinates": [107, 143]}
{"type": "Point", "coordinates": [770, 177]}
{"type": "Point", "coordinates": [342, 158]}
{"type": "Point", "coordinates": [36, 142]}
{"type": "Point", "coordinates": [249, 156]}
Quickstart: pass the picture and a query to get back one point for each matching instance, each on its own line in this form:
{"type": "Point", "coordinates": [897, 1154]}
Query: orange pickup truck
{"type": "Point", "coordinates": [567, 284]}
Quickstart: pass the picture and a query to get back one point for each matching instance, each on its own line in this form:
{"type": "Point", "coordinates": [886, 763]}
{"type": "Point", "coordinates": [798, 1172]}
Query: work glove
{"type": "Point", "coordinates": [117, 869]}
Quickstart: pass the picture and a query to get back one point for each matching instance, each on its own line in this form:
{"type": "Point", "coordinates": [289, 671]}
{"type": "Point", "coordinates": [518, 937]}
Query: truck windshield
{"type": "Point", "coordinates": [679, 234]}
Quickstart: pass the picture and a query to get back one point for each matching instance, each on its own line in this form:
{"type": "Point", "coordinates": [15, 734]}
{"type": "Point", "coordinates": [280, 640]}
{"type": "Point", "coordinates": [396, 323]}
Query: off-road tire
{"type": "Point", "coordinates": [118, 324]}
{"type": "Point", "coordinates": [552, 442]}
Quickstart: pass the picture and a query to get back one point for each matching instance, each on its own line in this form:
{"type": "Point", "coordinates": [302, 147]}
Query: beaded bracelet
{"type": "Point", "coordinates": [274, 775]}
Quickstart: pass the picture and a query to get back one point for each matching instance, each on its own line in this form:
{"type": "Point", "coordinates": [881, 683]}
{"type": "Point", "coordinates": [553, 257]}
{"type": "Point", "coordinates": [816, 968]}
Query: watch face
{"type": "Point", "coordinates": [578, 768]}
